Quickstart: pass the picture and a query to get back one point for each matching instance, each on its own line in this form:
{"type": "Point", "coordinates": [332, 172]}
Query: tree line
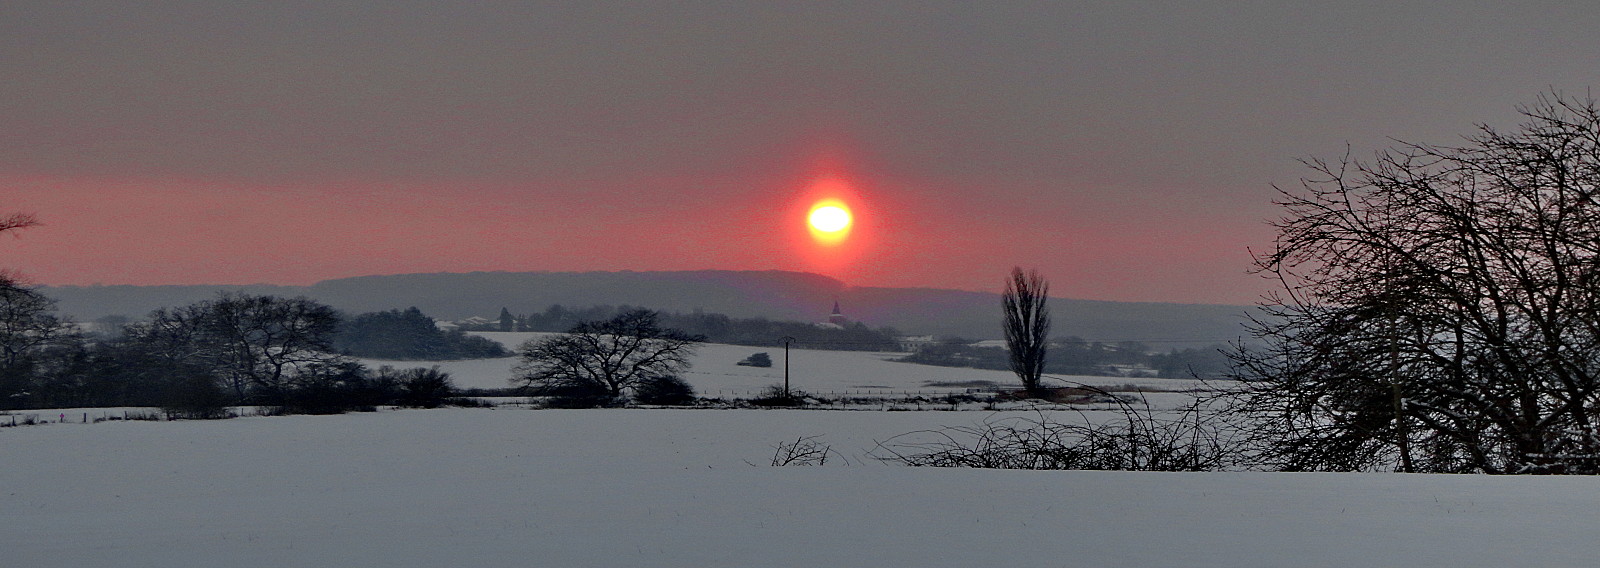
{"type": "Point", "coordinates": [716, 328]}
{"type": "Point", "coordinates": [1074, 356]}
{"type": "Point", "coordinates": [409, 335]}
{"type": "Point", "coordinates": [198, 360]}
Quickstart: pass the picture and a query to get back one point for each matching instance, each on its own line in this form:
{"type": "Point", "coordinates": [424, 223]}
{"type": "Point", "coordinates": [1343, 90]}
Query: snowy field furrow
{"type": "Point", "coordinates": [672, 488]}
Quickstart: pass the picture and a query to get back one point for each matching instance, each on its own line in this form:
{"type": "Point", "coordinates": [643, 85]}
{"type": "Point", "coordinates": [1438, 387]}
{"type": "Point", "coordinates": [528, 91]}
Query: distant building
{"type": "Point", "coordinates": [837, 318]}
{"type": "Point", "coordinates": [915, 342]}
{"type": "Point", "coordinates": [473, 322]}
{"type": "Point", "coordinates": [1139, 370]}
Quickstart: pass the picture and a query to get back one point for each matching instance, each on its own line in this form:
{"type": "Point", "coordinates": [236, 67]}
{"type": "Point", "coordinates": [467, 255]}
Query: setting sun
{"type": "Point", "coordinates": [829, 221]}
{"type": "Point", "coordinates": [830, 218]}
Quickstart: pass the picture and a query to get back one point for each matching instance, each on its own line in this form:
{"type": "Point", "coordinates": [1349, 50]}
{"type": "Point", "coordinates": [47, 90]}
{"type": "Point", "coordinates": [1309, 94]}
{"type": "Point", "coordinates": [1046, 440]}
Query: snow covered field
{"type": "Point", "coordinates": [692, 488]}
{"type": "Point", "coordinates": [715, 371]}
{"type": "Point", "coordinates": [516, 487]}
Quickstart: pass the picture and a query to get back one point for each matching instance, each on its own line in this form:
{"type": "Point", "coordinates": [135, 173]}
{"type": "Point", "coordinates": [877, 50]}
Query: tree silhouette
{"type": "Point", "coordinates": [1440, 307]}
{"type": "Point", "coordinates": [1027, 325]}
{"type": "Point", "coordinates": [605, 358]}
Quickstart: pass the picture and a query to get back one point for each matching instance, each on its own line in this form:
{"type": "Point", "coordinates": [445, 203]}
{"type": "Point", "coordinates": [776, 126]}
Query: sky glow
{"type": "Point", "coordinates": [1127, 151]}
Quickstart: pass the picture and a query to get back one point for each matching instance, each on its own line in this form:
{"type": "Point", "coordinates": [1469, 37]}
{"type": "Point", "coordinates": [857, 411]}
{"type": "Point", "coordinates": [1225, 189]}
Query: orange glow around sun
{"type": "Point", "coordinates": [832, 225]}
{"type": "Point", "coordinates": [829, 221]}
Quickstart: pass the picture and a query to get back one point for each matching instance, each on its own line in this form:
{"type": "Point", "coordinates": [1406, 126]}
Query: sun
{"type": "Point", "coordinates": [829, 221]}
{"type": "Point", "coordinates": [829, 218]}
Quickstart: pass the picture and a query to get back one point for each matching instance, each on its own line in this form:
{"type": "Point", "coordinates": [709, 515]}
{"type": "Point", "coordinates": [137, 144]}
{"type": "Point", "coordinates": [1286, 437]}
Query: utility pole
{"type": "Point", "coordinates": [786, 341]}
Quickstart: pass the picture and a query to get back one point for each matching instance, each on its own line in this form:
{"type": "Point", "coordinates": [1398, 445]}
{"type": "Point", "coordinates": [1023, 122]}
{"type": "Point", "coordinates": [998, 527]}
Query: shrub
{"type": "Point", "coordinates": [668, 390]}
{"type": "Point", "coordinates": [333, 389]}
{"type": "Point", "coordinates": [425, 388]}
{"type": "Point", "coordinates": [196, 395]}
{"type": "Point", "coordinates": [775, 395]}
{"type": "Point", "coordinates": [1142, 440]}
{"type": "Point", "coordinates": [470, 402]}
{"type": "Point", "coordinates": [578, 395]}
{"type": "Point", "coordinates": [805, 450]}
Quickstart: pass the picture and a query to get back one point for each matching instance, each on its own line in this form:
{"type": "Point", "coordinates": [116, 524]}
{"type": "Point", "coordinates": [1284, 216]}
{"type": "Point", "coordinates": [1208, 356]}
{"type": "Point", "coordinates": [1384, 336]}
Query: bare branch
{"type": "Point", "coordinates": [1440, 303]}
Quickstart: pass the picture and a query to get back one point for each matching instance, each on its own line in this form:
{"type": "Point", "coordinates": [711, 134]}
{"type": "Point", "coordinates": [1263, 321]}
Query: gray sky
{"type": "Point", "coordinates": [1126, 149]}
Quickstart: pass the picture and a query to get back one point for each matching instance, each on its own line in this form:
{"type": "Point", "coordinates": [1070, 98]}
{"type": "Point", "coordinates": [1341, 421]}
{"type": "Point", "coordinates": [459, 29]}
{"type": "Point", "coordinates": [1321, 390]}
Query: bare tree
{"type": "Point", "coordinates": [18, 300]}
{"type": "Point", "coordinates": [29, 329]}
{"type": "Point", "coordinates": [18, 221]}
{"type": "Point", "coordinates": [1027, 325]}
{"type": "Point", "coordinates": [27, 323]}
{"type": "Point", "coordinates": [258, 347]}
{"type": "Point", "coordinates": [175, 336]}
{"type": "Point", "coordinates": [606, 358]}
{"type": "Point", "coordinates": [1440, 307]}
{"type": "Point", "coordinates": [266, 342]}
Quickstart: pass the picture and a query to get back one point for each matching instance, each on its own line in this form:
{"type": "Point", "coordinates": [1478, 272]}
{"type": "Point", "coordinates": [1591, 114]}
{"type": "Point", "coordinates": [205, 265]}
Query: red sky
{"type": "Point", "coordinates": [117, 232]}
{"type": "Point", "coordinates": [1128, 153]}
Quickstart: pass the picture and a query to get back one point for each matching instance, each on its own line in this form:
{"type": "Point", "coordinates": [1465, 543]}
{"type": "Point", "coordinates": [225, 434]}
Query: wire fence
{"type": "Point", "coordinates": [12, 418]}
{"type": "Point", "coordinates": [28, 418]}
{"type": "Point", "coordinates": [865, 392]}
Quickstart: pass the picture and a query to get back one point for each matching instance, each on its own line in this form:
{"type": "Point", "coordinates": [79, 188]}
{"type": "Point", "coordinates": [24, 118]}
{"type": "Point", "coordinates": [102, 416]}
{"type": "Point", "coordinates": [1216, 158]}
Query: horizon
{"type": "Point", "coordinates": [1129, 153]}
{"type": "Point", "coordinates": [846, 285]}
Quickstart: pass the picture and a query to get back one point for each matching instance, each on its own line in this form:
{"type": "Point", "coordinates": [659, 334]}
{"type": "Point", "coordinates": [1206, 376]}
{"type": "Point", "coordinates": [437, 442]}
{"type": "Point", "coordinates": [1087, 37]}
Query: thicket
{"type": "Point", "coordinates": [409, 335]}
{"type": "Point", "coordinates": [1073, 356]}
{"type": "Point", "coordinates": [1135, 439]}
{"type": "Point", "coordinates": [195, 361]}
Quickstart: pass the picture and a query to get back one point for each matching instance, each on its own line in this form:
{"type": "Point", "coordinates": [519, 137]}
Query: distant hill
{"type": "Point", "coordinates": [771, 294]}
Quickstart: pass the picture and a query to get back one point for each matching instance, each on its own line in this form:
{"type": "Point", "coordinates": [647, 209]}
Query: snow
{"type": "Point", "coordinates": [714, 371]}
{"type": "Point", "coordinates": [672, 488]}
{"type": "Point", "coordinates": [511, 486]}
